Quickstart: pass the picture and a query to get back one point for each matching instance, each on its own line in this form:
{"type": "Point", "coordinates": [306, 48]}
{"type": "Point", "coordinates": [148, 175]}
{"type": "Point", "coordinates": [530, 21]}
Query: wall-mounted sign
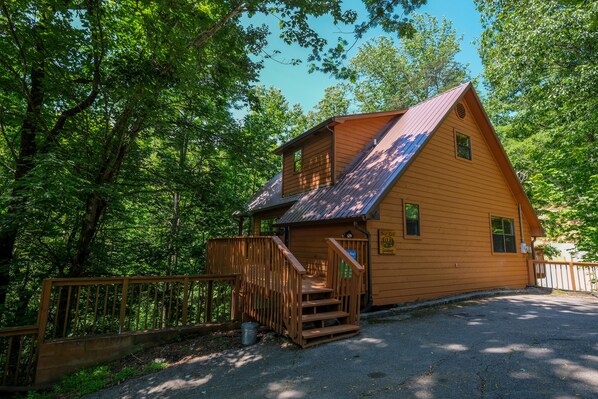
{"type": "Point", "coordinates": [386, 242]}
{"type": "Point", "coordinates": [345, 270]}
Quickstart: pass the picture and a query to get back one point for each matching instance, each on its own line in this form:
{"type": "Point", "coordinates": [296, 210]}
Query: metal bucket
{"type": "Point", "coordinates": [249, 333]}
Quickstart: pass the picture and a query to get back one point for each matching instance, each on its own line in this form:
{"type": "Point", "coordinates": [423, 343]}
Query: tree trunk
{"type": "Point", "coordinates": [10, 225]}
{"type": "Point", "coordinates": [175, 221]}
{"type": "Point", "coordinates": [115, 150]}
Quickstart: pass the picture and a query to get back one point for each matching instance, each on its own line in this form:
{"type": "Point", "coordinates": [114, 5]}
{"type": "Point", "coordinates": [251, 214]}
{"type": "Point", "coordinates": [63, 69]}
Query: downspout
{"type": "Point", "coordinates": [368, 303]}
{"type": "Point", "coordinates": [522, 241]}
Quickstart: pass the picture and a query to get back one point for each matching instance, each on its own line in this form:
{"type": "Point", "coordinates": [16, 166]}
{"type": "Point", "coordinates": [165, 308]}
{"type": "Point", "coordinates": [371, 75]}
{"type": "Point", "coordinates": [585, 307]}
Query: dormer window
{"type": "Point", "coordinates": [463, 146]}
{"type": "Point", "coordinates": [297, 162]}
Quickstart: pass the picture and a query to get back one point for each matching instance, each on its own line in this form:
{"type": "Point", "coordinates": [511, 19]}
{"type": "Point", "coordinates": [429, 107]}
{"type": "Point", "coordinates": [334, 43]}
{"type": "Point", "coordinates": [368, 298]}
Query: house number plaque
{"type": "Point", "coordinates": [386, 242]}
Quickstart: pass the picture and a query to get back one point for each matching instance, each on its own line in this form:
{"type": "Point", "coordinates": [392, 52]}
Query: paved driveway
{"type": "Point", "coordinates": [524, 346]}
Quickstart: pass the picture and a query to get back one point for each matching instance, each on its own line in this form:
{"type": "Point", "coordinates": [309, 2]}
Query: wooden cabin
{"type": "Point", "coordinates": [424, 198]}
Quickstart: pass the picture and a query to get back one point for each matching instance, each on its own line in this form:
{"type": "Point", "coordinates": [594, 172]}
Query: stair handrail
{"type": "Point", "coordinates": [292, 309]}
{"type": "Point", "coordinates": [271, 280]}
{"type": "Point", "coordinates": [289, 255]}
{"type": "Point", "coordinates": [346, 286]}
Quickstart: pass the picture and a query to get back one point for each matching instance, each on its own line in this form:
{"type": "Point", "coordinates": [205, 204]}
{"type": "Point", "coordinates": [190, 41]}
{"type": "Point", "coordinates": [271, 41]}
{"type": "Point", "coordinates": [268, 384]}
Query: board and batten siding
{"type": "Point", "coordinates": [316, 170]}
{"type": "Point", "coordinates": [351, 137]}
{"type": "Point", "coordinates": [456, 198]}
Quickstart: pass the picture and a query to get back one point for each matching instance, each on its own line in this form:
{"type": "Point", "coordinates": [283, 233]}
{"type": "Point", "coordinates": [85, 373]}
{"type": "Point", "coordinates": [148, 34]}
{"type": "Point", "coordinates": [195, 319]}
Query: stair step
{"type": "Point", "coordinates": [320, 332]}
{"type": "Point", "coordinates": [306, 318]}
{"type": "Point", "coordinates": [320, 302]}
{"type": "Point", "coordinates": [316, 290]}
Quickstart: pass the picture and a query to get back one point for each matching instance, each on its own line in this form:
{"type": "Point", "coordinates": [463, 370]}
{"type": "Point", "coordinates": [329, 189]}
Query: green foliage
{"type": "Point", "coordinates": [119, 150]}
{"type": "Point", "coordinates": [334, 103]}
{"type": "Point", "coordinates": [88, 381]}
{"type": "Point", "coordinates": [541, 66]}
{"type": "Point", "coordinates": [393, 75]}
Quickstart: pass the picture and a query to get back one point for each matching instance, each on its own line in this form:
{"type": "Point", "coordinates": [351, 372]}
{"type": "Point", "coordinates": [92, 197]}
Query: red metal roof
{"type": "Point", "coordinates": [362, 188]}
{"type": "Point", "coordinates": [377, 168]}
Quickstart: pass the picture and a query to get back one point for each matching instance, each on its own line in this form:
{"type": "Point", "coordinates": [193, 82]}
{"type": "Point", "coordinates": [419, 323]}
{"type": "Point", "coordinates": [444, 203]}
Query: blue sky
{"type": "Point", "coordinates": [299, 86]}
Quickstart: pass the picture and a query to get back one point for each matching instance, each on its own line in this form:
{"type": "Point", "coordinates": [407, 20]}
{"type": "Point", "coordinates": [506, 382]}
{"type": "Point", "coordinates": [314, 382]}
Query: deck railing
{"type": "Point", "coordinates": [271, 279]}
{"type": "Point", "coordinates": [345, 278]}
{"type": "Point", "coordinates": [360, 248]}
{"type": "Point", "coordinates": [18, 356]}
{"type": "Point", "coordinates": [572, 276]}
{"type": "Point", "coordinates": [79, 308]}
{"type": "Point", "coordinates": [89, 306]}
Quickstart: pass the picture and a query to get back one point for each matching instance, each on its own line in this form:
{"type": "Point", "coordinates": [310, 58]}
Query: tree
{"type": "Point", "coordinates": [335, 102]}
{"type": "Point", "coordinates": [389, 75]}
{"type": "Point", "coordinates": [541, 66]}
{"type": "Point", "coordinates": [116, 118]}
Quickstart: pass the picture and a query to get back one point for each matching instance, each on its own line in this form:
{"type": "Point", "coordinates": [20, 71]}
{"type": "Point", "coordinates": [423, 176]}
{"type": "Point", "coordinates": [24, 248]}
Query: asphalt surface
{"type": "Point", "coordinates": [520, 346]}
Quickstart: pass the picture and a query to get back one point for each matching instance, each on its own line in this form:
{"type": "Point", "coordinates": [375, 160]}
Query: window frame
{"type": "Point", "coordinates": [514, 235]}
{"type": "Point", "coordinates": [298, 151]}
{"type": "Point", "coordinates": [419, 220]}
{"type": "Point", "coordinates": [457, 134]}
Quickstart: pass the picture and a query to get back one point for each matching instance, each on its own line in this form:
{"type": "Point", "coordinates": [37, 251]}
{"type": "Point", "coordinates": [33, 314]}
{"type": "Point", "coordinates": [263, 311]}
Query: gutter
{"type": "Point", "coordinates": [369, 300]}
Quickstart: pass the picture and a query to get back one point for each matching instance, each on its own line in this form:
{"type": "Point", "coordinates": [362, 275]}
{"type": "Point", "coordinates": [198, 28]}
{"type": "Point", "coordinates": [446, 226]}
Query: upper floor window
{"type": "Point", "coordinates": [503, 235]}
{"type": "Point", "coordinates": [412, 220]}
{"type": "Point", "coordinates": [297, 162]}
{"type": "Point", "coordinates": [463, 146]}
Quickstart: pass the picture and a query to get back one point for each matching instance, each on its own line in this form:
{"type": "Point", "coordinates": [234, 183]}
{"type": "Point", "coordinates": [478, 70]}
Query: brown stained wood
{"type": "Point", "coordinates": [352, 136]}
{"type": "Point", "coordinates": [185, 300]}
{"type": "Point", "coordinates": [316, 166]}
{"type": "Point", "coordinates": [104, 308]}
{"type": "Point", "coordinates": [332, 330]}
{"type": "Point", "coordinates": [123, 305]}
{"type": "Point", "coordinates": [306, 318]}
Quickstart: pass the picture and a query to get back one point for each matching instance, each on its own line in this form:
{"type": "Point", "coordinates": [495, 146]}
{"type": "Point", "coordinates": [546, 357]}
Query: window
{"type": "Point", "coordinates": [297, 160]}
{"type": "Point", "coordinates": [267, 227]}
{"type": "Point", "coordinates": [463, 144]}
{"type": "Point", "coordinates": [503, 235]}
{"type": "Point", "coordinates": [412, 220]}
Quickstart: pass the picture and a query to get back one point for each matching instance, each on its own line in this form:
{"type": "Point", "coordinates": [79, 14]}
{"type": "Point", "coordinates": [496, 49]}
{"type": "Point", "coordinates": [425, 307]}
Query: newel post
{"type": "Point", "coordinates": [531, 273]}
{"type": "Point", "coordinates": [572, 274]}
{"type": "Point", "coordinates": [44, 309]}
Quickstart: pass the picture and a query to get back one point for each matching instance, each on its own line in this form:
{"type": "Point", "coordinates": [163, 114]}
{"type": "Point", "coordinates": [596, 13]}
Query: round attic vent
{"type": "Point", "coordinates": [460, 110]}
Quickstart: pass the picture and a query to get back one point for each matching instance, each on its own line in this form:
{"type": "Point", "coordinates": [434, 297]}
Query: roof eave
{"type": "Point", "coordinates": [536, 229]}
{"type": "Point", "coordinates": [389, 186]}
{"type": "Point", "coordinates": [335, 120]}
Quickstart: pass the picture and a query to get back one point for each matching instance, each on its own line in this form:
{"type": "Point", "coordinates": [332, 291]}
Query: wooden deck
{"type": "Point", "coordinates": [311, 285]}
{"type": "Point", "coordinates": [277, 291]}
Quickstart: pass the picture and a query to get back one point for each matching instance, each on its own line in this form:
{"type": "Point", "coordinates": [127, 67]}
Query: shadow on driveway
{"type": "Point", "coordinates": [525, 346]}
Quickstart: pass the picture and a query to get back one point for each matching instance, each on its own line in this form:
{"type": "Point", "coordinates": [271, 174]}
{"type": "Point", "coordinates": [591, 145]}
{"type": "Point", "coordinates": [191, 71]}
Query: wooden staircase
{"type": "Point", "coordinates": [322, 317]}
{"type": "Point", "coordinates": [276, 290]}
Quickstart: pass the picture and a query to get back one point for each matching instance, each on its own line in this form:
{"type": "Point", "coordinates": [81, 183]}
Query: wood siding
{"type": "Point", "coordinates": [351, 137]}
{"type": "Point", "coordinates": [308, 244]}
{"type": "Point", "coordinates": [316, 168]}
{"type": "Point", "coordinates": [456, 198]}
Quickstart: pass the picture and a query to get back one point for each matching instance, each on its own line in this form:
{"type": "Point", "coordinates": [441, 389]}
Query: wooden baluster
{"type": "Point", "coordinates": [185, 299]}
{"type": "Point", "coordinates": [106, 289]}
{"type": "Point", "coordinates": [44, 308]}
{"type": "Point", "coordinates": [67, 311]}
{"type": "Point", "coordinates": [209, 299]}
{"type": "Point", "coordinates": [95, 309]}
{"type": "Point", "coordinates": [57, 314]}
{"type": "Point", "coordinates": [123, 305]}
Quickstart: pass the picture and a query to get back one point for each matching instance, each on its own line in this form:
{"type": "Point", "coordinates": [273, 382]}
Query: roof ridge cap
{"type": "Point", "coordinates": [441, 94]}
